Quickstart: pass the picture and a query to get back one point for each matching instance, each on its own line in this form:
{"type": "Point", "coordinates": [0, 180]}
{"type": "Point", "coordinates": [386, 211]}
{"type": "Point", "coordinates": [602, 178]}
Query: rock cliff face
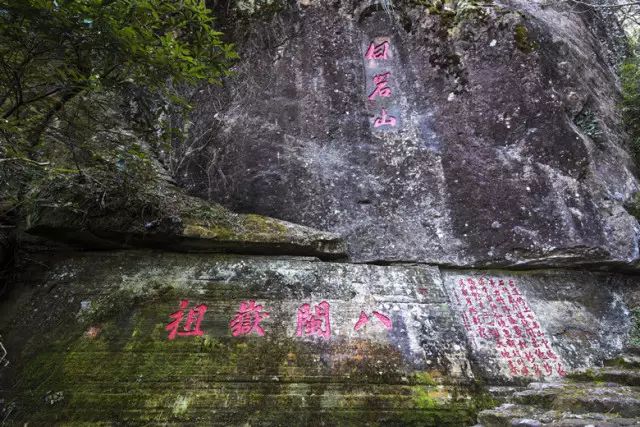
{"type": "Point", "coordinates": [294, 339]}
{"type": "Point", "coordinates": [505, 149]}
{"type": "Point", "coordinates": [448, 147]}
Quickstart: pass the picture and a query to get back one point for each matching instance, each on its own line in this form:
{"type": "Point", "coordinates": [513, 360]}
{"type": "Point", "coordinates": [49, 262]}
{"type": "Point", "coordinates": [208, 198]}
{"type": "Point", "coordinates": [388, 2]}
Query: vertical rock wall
{"type": "Point", "coordinates": [140, 336]}
{"type": "Point", "coordinates": [484, 157]}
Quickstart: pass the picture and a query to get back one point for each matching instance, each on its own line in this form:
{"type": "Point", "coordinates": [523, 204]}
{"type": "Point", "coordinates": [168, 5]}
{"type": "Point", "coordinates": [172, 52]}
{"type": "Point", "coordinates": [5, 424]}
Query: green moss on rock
{"type": "Point", "coordinates": [523, 40]}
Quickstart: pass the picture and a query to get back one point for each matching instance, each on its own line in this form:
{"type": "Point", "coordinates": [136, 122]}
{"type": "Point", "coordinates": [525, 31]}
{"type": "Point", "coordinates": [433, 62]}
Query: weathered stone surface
{"type": "Point", "coordinates": [183, 223]}
{"type": "Point", "coordinates": [87, 343]}
{"type": "Point", "coordinates": [87, 340]}
{"type": "Point", "coordinates": [582, 317]}
{"type": "Point", "coordinates": [486, 165]}
{"type": "Point", "coordinates": [586, 399]}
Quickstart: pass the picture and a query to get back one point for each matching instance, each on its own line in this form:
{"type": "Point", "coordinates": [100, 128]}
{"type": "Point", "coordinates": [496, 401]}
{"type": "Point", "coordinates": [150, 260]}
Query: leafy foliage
{"type": "Point", "coordinates": [588, 123]}
{"type": "Point", "coordinates": [84, 83]}
{"type": "Point", "coordinates": [630, 76]}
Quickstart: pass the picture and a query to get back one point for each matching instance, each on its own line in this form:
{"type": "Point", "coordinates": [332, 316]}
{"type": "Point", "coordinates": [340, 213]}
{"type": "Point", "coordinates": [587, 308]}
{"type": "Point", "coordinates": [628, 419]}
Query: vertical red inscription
{"type": "Point", "coordinates": [494, 312]}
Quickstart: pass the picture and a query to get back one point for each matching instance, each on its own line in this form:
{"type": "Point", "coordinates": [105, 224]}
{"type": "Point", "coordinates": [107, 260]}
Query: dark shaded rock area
{"type": "Point", "coordinates": [491, 163]}
{"type": "Point", "coordinates": [180, 223]}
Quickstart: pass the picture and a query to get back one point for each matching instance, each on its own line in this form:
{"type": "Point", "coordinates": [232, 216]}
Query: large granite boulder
{"type": "Point", "coordinates": [484, 133]}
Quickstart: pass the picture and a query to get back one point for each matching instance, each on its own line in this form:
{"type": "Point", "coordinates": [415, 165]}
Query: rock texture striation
{"type": "Point", "coordinates": [606, 397]}
{"type": "Point", "coordinates": [143, 337]}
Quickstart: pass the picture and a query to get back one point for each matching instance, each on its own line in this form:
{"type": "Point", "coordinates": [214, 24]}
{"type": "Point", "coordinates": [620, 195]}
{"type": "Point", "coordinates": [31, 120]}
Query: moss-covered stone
{"type": "Point", "coordinates": [169, 219]}
{"type": "Point", "coordinates": [102, 354]}
{"type": "Point", "coordinates": [523, 40]}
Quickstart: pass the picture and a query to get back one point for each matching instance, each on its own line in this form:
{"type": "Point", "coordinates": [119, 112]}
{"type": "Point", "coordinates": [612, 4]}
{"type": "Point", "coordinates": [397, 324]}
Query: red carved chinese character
{"type": "Point", "coordinates": [489, 319]}
{"type": "Point", "coordinates": [482, 333]}
{"type": "Point", "coordinates": [312, 323]}
{"type": "Point", "coordinates": [377, 51]}
{"type": "Point", "coordinates": [535, 325]}
{"type": "Point", "coordinates": [540, 354]}
{"type": "Point", "coordinates": [364, 319]}
{"type": "Point", "coordinates": [384, 120]}
{"type": "Point", "coordinates": [187, 331]}
{"type": "Point", "coordinates": [247, 319]}
{"type": "Point", "coordinates": [386, 321]}
{"type": "Point", "coordinates": [465, 320]}
{"type": "Point", "coordinates": [560, 370]}
{"type": "Point", "coordinates": [381, 81]}
{"type": "Point", "coordinates": [512, 368]}
{"type": "Point", "coordinates": [547, 368]}
{"type": "Point", "coordinates": [537, 369]}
